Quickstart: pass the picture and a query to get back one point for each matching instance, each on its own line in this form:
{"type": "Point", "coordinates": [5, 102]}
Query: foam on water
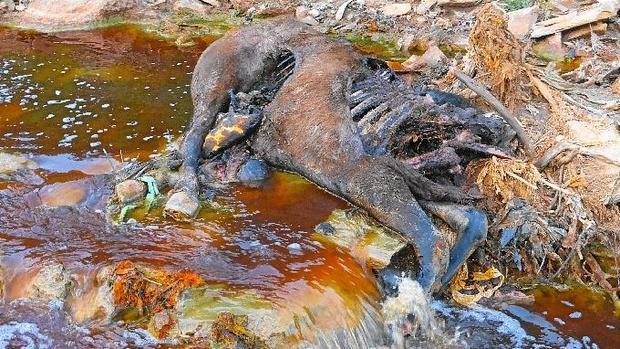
{"type": "Point", "coordinates": [23, 335]}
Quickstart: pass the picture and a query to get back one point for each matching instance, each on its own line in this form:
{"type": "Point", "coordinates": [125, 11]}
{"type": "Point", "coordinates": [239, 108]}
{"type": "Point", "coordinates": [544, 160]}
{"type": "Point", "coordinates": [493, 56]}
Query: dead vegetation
{"type": "Point", "coordinates": [151, 292]}
{"type": "Point", "coordinates": [555, 206]}
{"type": "Point", "coordinates": [497, 57]}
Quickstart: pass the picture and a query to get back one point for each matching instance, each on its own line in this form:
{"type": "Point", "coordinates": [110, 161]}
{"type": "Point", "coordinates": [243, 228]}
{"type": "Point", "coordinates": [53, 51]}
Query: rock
{"type": "Point", "coordinates": [130, 190]}
{"type": "Point", "coordinates": [315, 13]}
{"type": "Point", "coordinates": [253, 170]}
{"type": "Point", "coordinates": [294, 246]}
{"type": "Point", "coordinates": [310, 20]}
{"type": "Point", "coordinates": [356, 232]}
{"type": "Point", "coordinates": [395, 10]}
{"type": "Point", "coordinates": [63, 194]}
{"type": "Point", "coordinates": [10, 163]}
{"type": "Point", "coordinates": [550, 48]}
{"type": "Point", "coordinates": [182, 205]}
{"type": "Point", "coordinates": [94, 302]}
{"type": "Point", "coordinates": [72, 14]}
{"type": "Point", "coordinates": [51, 282]}
{"type": "Point", "coordinates": [160, 323]}
{"type": "Point", "coordinates": [615, 87]}
{"type": "Point", "coordinates": [7, 6]}
{"type": "Point", "coordinates": [194, 5]}
{"type": "Point", "coordinates": [199, 307]}
{"type": "Point", "coordinates": [301, 12]}
{"type": "Point", "coordinates": [414, 63]}
{"type": "Point", "coordinates": [213, 3]}
{"type": "Point", "coordinates": [520, 22]}
{"type": "Point", "coordinates": [434, 57]}
{"type": "Point", "coordinates": [424, 6]}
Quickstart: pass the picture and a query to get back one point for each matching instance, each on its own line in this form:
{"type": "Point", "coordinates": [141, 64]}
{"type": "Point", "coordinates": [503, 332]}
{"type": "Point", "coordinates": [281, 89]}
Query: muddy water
{"type": "Point", "coordinates": [78, 104]}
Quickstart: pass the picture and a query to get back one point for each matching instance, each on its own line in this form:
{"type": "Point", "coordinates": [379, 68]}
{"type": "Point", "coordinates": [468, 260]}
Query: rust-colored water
{"type": "Point", "coordinates": [78, 104]}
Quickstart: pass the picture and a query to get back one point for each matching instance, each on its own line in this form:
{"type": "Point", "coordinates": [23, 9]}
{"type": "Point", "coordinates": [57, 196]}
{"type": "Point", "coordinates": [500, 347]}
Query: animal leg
{"type": "Point", "coordinates": [383, 192]}
{"type": "Point", "coordinates": [471, 226]}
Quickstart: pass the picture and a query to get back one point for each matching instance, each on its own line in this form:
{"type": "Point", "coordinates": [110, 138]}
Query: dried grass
{"type": "Point", "coordinates": [150, 291]}
{"type": "Point", "coordinates": [497, 56]}
{"type": "Point", "coordinates": [505, 179]}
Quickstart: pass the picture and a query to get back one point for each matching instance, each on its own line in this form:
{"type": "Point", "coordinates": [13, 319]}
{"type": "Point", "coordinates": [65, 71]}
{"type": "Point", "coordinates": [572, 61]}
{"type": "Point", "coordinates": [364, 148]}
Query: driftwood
{"type": "Point", "coordinates": [603, 10]}
{"type": "Point", "coordinates": [499, 107]}
{"type": "Point", "coordinates": [560, 147]}
{"type": "Point", "coordinates": [585, 31]}
{"type": "Point", "coordinates": [596, 100]}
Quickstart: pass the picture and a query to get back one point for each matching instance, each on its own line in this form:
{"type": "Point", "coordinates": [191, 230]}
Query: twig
{"type": "Point", "coordinates": [107, 156]}
{"type": "Point", "coordinates": [560, 147]}
{"type": "Point", "coordinates": [498, 106]}
{"type": "Point", "coordinates": [522, 180]}
{"type": "Point", "coordinates": [557, 187]}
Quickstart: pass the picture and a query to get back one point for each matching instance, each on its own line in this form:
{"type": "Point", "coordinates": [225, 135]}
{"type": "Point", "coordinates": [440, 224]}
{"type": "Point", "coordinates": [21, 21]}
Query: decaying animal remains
{"type": "Point", "coordinates": [311, 105]}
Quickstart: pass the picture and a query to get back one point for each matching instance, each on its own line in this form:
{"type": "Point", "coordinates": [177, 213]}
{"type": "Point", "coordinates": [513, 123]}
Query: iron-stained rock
{"type": "Point", "coordinates": [130, 190]}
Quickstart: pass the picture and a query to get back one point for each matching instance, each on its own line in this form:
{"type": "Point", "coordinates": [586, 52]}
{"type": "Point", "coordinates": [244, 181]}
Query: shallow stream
{"type": "Point", "coordinates": [79, 103]}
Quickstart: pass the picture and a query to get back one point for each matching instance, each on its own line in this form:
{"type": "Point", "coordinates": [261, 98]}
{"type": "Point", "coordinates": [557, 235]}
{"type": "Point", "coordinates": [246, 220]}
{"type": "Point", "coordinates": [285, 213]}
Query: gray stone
{"type": "Point", "coordinates": [310, 20]}
{"type": "Point", "coordinates": [252, 171]}
{"type": "Point", "coordinates": [7, 6]}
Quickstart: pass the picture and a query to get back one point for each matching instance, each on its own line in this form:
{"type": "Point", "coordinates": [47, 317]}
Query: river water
{"type": "Point", "coordinates": [79, 103]}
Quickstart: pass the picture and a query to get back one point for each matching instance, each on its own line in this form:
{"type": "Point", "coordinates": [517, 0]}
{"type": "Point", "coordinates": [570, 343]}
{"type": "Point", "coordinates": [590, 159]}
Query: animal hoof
{"type": "Point", "coordinates": [182, 206]}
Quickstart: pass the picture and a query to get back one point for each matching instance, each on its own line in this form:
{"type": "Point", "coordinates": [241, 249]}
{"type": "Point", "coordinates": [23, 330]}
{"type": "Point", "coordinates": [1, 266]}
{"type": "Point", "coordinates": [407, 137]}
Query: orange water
{"type": "Point", "coordinates": [108, 95]}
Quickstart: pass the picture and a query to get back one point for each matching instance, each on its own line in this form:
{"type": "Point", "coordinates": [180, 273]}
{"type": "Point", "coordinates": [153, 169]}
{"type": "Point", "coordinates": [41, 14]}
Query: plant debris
{"type": "Point", "coordinates": [151, 292]}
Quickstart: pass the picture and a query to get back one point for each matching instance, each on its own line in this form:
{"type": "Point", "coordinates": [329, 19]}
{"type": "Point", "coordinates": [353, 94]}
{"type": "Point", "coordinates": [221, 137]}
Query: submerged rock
{"type": "Point", "coordinates": [364, 238]}
{"type": "Point", "coordinates": [182, 205]}
{"type": "Point", "coordinates": [94, 300]}
{"type": "Point", "coordinates": [51, 282]}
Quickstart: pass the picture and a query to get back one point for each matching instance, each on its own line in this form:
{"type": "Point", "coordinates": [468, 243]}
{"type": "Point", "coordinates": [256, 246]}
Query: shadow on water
{"type": "Point", "coordinates": [79, 103]}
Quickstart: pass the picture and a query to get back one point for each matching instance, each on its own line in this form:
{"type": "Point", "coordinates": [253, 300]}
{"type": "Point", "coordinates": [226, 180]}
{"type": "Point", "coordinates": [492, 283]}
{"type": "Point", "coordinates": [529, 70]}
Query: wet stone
{"type": "Point", "coordinates": [130, 190]}
{"type": "Point", "coordinates": [364, 238]}
{"type": "Point", "coordinates": [182, 205]}
{"type": "Point", "coordinates": [51, 282]}
{"type": "Point", "coordinates": [253, 171]}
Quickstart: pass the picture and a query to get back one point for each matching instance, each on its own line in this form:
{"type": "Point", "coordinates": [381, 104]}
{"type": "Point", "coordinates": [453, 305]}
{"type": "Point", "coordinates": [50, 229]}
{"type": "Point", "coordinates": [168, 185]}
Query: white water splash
{"type": "Point", "coordinates": [26, 334]}
{"type": "Point", "coordinates": [410, 313]}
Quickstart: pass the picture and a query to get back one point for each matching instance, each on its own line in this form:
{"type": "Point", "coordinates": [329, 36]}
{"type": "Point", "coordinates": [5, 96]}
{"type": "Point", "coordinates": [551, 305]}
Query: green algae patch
{"type": "Point", "coordinates": [377, 46]}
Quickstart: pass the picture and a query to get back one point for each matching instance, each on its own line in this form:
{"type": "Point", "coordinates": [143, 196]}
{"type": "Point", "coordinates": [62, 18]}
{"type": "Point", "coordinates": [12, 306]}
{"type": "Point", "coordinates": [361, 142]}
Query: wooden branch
{"type": "Point", "coordinates": [552, 153]}
{"type": "Point", "coordinates": [603, 10]}
{"type": "Point", "coordinates": [560, 147]}
{"type": "Point", "coordinates": [498, 106]}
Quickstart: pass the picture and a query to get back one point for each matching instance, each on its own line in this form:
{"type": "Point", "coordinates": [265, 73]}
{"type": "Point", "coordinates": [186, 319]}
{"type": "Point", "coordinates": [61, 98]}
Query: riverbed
{"type": "Point", "coordinates": [78, 104]}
